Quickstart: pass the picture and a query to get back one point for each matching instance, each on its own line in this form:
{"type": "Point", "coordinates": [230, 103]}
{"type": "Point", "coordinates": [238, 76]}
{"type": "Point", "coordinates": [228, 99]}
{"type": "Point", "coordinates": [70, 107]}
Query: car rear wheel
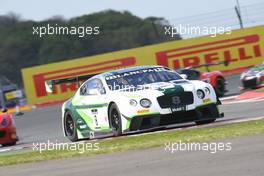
{"type": "Point", "coordinates": [115, 120]}
{"type": "Point", "coordinates": [220, 86]}
{"type": "Point", "coordinates": [70, 127]}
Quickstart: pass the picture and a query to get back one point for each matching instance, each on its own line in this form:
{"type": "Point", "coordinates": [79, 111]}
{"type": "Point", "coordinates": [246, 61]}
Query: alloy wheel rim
{"type": "Point", "coordinates": [69, 126]}
{"type": "Point", "coordinates": [115, 121]}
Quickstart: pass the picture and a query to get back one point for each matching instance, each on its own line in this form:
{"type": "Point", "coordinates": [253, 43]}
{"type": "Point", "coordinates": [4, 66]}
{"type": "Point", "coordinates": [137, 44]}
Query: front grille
{"type": "Point", "coordinates": [2, 134]}
{"type": "Point", "coordinates": [203, 112]}
{"type": "Point", "coordinates": [150, 121]}
{"type": "Point", "coordinates": [175, 99]}
{"type": "Point", "coordinates": [250, 83]}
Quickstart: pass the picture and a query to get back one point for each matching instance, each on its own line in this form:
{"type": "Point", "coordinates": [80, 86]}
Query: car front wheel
{"type": "Point", "coordinates": [115, 120]}
{"type": "Point", "coordinates": [70, 127]}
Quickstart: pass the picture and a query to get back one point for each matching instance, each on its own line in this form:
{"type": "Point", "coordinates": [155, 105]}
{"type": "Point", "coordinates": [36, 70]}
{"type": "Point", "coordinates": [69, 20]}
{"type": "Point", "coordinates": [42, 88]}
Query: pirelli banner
{"type": "Point", "coordinates": [242, 48]}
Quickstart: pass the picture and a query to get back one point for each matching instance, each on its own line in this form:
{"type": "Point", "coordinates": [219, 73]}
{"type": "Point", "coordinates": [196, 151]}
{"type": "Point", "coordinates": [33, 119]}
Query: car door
{"type": "Point", "coordinates": [93, 105]}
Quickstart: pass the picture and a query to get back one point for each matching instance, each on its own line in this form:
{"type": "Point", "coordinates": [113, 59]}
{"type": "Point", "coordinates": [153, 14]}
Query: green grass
{"type": "Point", "coordinates": [260, 90]}
{"type": "Point", "coordinates": [142, 142]}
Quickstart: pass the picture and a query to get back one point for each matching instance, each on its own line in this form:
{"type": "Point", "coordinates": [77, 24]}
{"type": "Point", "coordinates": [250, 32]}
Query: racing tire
{"type": "Point", "coordinates": [70, 127]}
{"type": "Point", "coordinates": [203, 122]}
{"type": "Point", "coordinates": [9, 144]}
{"type": "Point", "coordinates": [220, 86]}
{"type": "Point", "coordinates": [115, 120]}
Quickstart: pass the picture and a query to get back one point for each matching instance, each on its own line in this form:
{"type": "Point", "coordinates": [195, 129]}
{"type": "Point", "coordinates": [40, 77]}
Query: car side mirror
{"type": "Point", "coordinates": [4, 110]}
{"type": "Point", "coordinates": [93, 92]}
{"type": "Point", "coordinates": [49, 86]}
{"type": "Point", "coordinates": [226, 63]}
{"type": "Point", "coordinates": [184, 76]}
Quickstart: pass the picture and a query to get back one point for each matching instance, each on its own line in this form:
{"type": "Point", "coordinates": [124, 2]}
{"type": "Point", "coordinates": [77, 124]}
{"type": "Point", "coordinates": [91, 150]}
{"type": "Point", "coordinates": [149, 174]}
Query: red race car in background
{"type": "Point", "coordinates": [8, 135]}
{"type": "Point", "coordinates": [215, 78]}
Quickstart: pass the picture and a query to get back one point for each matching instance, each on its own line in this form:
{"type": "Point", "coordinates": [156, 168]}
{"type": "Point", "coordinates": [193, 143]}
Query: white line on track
{"type": "Point", "coordinates": [258, 99]}
{"type": "Point", "coordinates": [228, 98]}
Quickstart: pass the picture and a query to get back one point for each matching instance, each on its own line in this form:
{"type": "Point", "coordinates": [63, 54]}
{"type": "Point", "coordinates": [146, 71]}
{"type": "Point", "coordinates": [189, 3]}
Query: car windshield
{"type": "Point", "coordinates": [255, 69]}
{"type": "Point", "coordinates": [134, 79]}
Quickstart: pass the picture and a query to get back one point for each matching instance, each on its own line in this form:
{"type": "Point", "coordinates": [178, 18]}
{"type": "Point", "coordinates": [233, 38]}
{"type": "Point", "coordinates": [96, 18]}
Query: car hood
{"type": "Point", "coordinates": [158, 89]}
{"type": "Point", "coordinates": [253, 71]}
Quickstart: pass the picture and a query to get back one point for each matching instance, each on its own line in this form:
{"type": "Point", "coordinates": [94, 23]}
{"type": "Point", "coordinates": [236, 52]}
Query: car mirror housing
{"type": "Point", "coordinates": [184, 76]}
{"type": "Point", "coordinates": [49, 86]}
{"type": "Point", "coordinates": [4, 110]}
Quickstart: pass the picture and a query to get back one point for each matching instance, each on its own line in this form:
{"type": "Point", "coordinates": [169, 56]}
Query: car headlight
{"type": "Point", "coordinates": [81, 124]}
{"type": "Point", "coordinates": [249, 77]}
{"type": "Point", "coordinates": [200, 94]}
{"type": "Point", "coordinates": [80, 121]}
{"type": "Point", "coordinates": [242, 75]}
{"type": "Point", "coordinates": [207, 80]}
{"type": "Point", "coordinates": [133, 102]}
{"type": "Point", "coordinates": [145, 103]}
{"type": "Point", "coordinates": [207, 90]}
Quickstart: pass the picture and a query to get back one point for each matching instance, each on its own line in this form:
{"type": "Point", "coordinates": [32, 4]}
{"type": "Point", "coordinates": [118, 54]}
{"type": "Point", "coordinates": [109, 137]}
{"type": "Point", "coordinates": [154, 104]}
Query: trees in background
{"type": "Point", "coordinates": [19, 48]}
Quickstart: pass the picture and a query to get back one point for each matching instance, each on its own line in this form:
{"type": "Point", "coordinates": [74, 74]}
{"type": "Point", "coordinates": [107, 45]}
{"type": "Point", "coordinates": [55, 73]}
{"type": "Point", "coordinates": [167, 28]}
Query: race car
{"type": "Point", "coordinates": [253, 77]}
{"type": "Point", "coordinates": [215, 78]}
{"type": "Point", "coordinates": [8, 135]}
{"type": "Point", "coordinates": [134, 99]}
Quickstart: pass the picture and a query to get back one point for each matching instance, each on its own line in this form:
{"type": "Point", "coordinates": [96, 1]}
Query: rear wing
{"type": "Point", "coordinates": [225, 63]}
{"type": "Point", "coordinates": [49, 84]}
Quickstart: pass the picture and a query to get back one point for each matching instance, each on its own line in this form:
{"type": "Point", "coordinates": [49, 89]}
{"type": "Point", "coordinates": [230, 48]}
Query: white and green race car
{"type": "Point", "coordinates": [133, 99]}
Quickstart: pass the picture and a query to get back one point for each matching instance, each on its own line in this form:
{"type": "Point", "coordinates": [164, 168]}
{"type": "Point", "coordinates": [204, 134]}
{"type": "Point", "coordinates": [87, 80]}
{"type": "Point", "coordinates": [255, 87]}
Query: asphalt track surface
{"type": "Point", "coordinates": [43, 124]}
{"type": "Point", "coordinates": [233, 84]}
{"type": "Point", "coordinates": [245, 158]}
